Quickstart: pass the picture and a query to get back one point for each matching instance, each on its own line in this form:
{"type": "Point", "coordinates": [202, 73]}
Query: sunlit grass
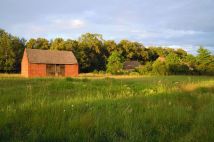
{"type": "Point", "coordinates": [165, 109]}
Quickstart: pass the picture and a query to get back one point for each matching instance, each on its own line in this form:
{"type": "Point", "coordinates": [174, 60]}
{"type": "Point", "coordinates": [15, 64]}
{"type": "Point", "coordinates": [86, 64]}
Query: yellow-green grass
{"type": "Point", "coordinates": [150, 109]}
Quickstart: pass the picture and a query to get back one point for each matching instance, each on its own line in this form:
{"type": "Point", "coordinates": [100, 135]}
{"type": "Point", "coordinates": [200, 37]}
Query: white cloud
{"type": "Point", "coordinates": [169, 33]}
{"type": "Point", "coordinates": [69, 23]}
{"type": "Point", "coordinates": [188, 48]}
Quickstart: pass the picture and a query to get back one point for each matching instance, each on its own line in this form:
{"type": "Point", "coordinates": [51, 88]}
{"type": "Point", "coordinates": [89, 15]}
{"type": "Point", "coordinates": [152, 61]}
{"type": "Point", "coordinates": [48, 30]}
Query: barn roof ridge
{"type": "Point", "coordinates": [39, 56]}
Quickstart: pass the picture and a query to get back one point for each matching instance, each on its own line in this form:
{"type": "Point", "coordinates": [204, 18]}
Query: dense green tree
{"type": "Point", "coordinates": [1, 32]}
{"type": "Point", "coordinates": [132, 51]}
{"type": "Point", "coordinates": [31, 43]}
{"type": "Point", "coordinates": [161, 52]}
{"type": "Point", "coordinates": [57, 44]}
{"type": "Point", "coordinates": [205, 61]}
{"type": "Point", "coordinates": [92, 56]}
{"type": "Point", "coordinates": [160, 68]}
{"type": "Point", "coordinates": [7, 56]}
{"type": "Point", "coordinates": [71, 45]}
{"type": "Point", "coordinates": [190, 60]}
{"type": "Point", "coordinates": [18, 49]}
{"type": "Point", "coordinates": [145, 69]}
{"type": "Point", "coordinates": [181, 53]}
{"type": "Point", "coordinates": [152, 54]}
{"type": "Point", "coordinates": [172, 58]}
{"type": "Point", "coordinates": [92, 52]}
{"type": "Point", "coordinates": [114, 63]}
{"type": "Point", "coordinates": [175, 65]}
{"type": "Point", "coordinates": [39, 43]}
{"type": "Point", "coordinates": [42, 43]}
{"type": "Point", "coordinates": [204, 56]}
{"type": "Point", "coordinates": [110, 46]}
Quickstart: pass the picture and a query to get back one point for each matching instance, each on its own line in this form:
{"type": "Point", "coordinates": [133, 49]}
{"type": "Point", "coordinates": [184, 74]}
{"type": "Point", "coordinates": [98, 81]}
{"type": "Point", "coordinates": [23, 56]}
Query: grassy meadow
{"type": "Point", "coordinates": [138, 109]}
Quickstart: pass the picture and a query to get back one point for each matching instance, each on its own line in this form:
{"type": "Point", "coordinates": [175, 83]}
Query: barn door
{"type": "Point", "coordinates": [60, 70]}
{"type": "Point", "coordinates": [50, 70]}
{"type": "Point", "coordinates": [55, 70]}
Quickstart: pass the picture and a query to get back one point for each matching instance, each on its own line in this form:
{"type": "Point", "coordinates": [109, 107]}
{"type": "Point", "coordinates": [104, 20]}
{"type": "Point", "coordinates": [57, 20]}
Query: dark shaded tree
{"type": "Point", "coordinates": [7, 56]}
{"type": "Point", "coordinates": [91, 56]}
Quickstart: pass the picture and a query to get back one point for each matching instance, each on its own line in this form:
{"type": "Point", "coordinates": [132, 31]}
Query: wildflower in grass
{"type": "Point", "coordinates": [148, 92]}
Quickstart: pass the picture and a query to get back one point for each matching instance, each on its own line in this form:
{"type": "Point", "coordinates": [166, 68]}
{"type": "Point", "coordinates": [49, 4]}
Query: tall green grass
{"type": "Point", "coordinates": [150, 109]}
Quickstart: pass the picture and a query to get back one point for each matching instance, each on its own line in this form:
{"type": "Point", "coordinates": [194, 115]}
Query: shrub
{"type": "Point", "coordinates": [145, 69]}
{"type": "Point", "coordinates": [178, 69]}
{"type": "Point", "coordinates": [114, 65]}
{"type": "Point", "coordinates": [159, 68]}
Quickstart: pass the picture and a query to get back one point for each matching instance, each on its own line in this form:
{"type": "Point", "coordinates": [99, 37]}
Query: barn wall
{"type": "Point", "coordinates": [71, 70]}
{"type": "Point", "coordinates": [37, 70]}
{"type": "Point", "coordinates": [24, 65]}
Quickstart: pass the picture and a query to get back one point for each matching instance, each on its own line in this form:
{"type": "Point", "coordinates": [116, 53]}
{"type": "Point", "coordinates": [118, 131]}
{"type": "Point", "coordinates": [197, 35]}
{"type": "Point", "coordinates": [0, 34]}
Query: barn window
{"type": "Point", "coordinates": [55, 70]}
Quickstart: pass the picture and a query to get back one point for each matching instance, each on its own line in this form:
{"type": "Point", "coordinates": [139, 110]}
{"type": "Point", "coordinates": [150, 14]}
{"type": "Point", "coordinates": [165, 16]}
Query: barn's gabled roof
{"type": "Point", "coordinates": [50, 56]}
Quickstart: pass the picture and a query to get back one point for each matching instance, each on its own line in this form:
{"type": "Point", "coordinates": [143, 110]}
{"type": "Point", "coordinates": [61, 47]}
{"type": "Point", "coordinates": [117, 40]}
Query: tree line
{"type": "Point", "coordinates": [95, 54]}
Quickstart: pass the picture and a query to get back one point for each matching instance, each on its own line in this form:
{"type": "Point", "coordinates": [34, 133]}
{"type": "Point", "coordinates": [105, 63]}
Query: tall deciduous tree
{"type": "Point", "coordinates": [110, 45]}
{"type": "Point", "coordinates": [18, 49]}
{"type": "Point", "coordinates": [114, 63]}
{"type": "Point", "coordinates": [57, 44]}
{"type": "Point", "coordinates": [204, 56]}
{"type": "Point", "coordinates": [91, 52]}
{"type": "Point", "coordinates": [7, 56]}
{"type": "Point", "coordinates": [205, 61]}
{"type": "Point", "coordinates": [39, 43]}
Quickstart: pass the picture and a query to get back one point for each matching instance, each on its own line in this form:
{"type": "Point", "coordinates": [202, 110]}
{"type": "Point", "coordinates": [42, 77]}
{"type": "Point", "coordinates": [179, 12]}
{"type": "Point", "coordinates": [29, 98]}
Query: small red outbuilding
{"type": "Point", "coordinates": [45, 63]}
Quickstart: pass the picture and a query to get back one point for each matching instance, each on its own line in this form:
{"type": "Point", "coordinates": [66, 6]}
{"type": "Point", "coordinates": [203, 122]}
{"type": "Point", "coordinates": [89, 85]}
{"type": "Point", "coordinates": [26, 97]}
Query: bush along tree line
{"type": "Point", "coordinates": [95, 54]}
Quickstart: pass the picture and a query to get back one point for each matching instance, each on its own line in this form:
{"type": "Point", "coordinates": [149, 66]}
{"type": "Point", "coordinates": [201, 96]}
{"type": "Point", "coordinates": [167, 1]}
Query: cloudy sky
{"type": "Point", "coordinates": [174, 23]}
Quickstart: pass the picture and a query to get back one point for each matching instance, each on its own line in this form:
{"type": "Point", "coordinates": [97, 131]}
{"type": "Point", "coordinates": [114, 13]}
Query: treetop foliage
{"type": "Point", "coordinates": [95, 53]}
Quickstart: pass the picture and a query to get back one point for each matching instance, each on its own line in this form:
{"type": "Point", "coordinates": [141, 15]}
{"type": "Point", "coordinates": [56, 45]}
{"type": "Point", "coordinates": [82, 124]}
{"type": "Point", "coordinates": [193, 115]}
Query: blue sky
{"type": "Point", "coordinates": [174, 23]}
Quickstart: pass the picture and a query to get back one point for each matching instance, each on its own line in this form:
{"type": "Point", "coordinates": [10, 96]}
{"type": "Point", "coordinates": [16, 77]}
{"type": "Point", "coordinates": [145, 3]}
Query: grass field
{"type": "Point", "coordinates": [143, 109]}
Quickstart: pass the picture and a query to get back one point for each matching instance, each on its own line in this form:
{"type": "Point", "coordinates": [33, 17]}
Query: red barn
{"type": "Point", "coordinates": [45, 63]}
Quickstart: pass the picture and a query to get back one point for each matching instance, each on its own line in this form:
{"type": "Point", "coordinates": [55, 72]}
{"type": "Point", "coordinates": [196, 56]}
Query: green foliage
{"type": "Point", "coordinates": [181, 53]}
{"type": "Point", "coordinates": [110, 45]}
{"type": "Point", "coordinates": [172, 58]}
{"type": "Point", "coordinates": [114, 65]}
{"type": "Point", "coordinates": [159, 68]}
{"type": "Point", "coordinates": [190, 60]}
{"type": "Point", "coordinates": [132, 50]}
{"type": "Point", "coordinates": [178, 69]}
{"type": "Point", "coordinates": [92, 53]}
{"type": "Point", "coordinates": [205, 62]}
{"type": "Point", "coordinates": [11, 51]}
{"type": "Point", "coordinates": [39, 43]}
{"type": "Point", "coordinates": [18, 46]}
{"type": "Point", "coordinates": [57, 44]}
{"type": "Point", "coordinates": [145, 69]}
{"type": "Point", "coordinates": [71, 45]}
{"type": "Point", "coordinates": [204, 56]}
{"type": "Point", "coordinates": [7, 56]}
{"type": "Point", "coordinates": [31, 43]}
